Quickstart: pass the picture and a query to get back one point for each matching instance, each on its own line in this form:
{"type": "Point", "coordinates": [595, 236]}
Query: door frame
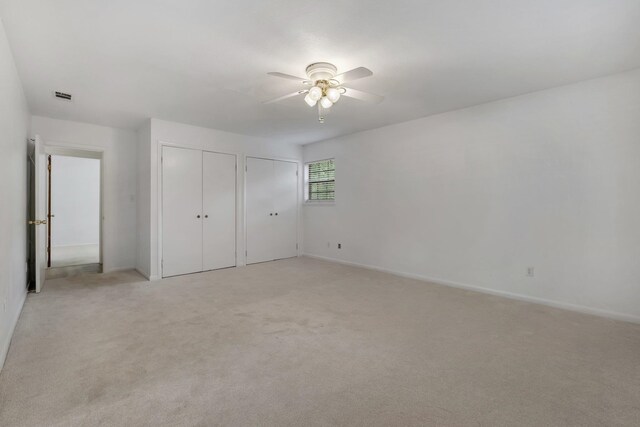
{"type": "Point", "coordinates": [244, 200]}
{"type": "Point", "coordinates": [85, 152]}
{"type": "Point", "coordinates": [161, 146]}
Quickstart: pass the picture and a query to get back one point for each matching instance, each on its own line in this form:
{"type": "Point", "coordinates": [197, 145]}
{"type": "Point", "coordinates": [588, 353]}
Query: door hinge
{"type": "Point", "coordinates": [245, 253]}
{"type": "Point", "coordinates": [296, 172]}
{"type": "Point", "coordinates": [296, 246]}
{"type": "Point", "coordinates": [245, 168]}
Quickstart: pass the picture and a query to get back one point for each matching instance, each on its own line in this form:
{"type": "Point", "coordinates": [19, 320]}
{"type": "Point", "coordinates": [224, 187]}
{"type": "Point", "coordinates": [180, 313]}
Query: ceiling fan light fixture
{"type": "Point", "coordinates": [315, 93]}
{"type": "Point", "coordinates": [326, 102]}
{"type": "Point", "coordinates": [333, 94]}
{"type": "Point", "coordinates": [325, 86]}
{"type": "Point", "coordinates": [309, 100]}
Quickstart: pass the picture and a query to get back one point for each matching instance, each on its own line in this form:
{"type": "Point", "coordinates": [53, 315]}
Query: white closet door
{"type": "Point", "coordinates": [259, 209]}
{"type": "Point", "coordinates": [285, 200]}
{"type": "Point", "coordinates": [219, 210]}
{"type": "Point", "coordinates": [181, 211]}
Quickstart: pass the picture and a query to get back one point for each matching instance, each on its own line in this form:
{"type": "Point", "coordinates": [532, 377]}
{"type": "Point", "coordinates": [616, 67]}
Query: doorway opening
{"type": "Point", "coordinates": [73, 201]}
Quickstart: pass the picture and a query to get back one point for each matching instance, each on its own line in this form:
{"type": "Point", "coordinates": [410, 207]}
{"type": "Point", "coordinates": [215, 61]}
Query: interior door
{"type": "Point", "coordinates": [181, 211]}
{"type": "Point", "coordinates": [285, 206]}
{"type": "Point", "coordinates": [219, 210]}
{"type": "Point", "coordinates": [259, 209]}
{"type": "Point", "coordinates": [39, 221]}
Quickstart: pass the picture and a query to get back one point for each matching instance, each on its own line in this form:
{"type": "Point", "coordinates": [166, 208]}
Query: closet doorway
{"type": "Point", "coordinates": [271, 209]}
{"type": "Point", "coordinates": [198, 214]}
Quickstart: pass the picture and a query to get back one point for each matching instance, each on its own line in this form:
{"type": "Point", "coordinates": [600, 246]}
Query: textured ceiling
{"type": "Point", "coordinates": [205, 62]}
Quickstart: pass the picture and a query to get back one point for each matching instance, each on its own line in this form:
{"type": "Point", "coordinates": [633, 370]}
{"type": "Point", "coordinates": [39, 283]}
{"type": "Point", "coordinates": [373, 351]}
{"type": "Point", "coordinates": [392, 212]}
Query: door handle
{"type": "Point", "coordinates": [198, 216]}
{"type": "Point", "coordinates": [276, 213]}
{"type": "Point", "coordinates": [38, 222]}
{"type": "Point", "coordinates": [271, 214]}
{"type": "Point", "coordinates": [206, 216]}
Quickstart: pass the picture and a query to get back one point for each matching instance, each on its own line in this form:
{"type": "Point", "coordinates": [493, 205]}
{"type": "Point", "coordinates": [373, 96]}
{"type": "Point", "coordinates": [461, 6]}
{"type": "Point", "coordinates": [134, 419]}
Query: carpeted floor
{"type": "Point", "coordinates": [303, 342]}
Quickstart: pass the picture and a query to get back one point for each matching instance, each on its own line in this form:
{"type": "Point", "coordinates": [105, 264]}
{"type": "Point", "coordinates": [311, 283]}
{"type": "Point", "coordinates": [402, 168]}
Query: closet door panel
{"type": "Point", "coordinates": [259, 210]}
{"type": "Point", "coordinates": [285, 199]}
{"type": "Point", "coordinates": [219, 210]}
{"type": "Point", "coordinates": [181, 211]}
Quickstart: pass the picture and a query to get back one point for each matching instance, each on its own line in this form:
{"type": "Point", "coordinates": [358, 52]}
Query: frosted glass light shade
{"type": "Point", "coordinates": [326, 102]}
{"type": "Point", "coordinates": [315, 93]}
{"type": "Point", "coordinates": [310, 101]}
{"type": "Point", "coordinates": [333, 94]}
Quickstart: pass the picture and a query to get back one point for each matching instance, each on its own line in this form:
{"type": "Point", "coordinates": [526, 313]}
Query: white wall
{"type": "Point", "coordinates": [474, 197]}
{"type": "Point", "coordinates": [213, 140]}
{"type": "Point", "coordinates": [14, 125]}
{"type": "Point", "coordinates": [75, 201]}
{"type": "Point", "coordinates": [119, 162]}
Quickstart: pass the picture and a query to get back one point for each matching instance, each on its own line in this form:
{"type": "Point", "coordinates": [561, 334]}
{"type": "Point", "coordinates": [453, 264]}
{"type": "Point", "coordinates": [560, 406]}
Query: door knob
{"type": "Point", "coordinates": [276, 213]}
{"type": "Point", "coordinates": [206, 216]}
{"type": "Point", "coordinates": [198, 216]}
{"type": "Point", "coordinates": [271, 214]}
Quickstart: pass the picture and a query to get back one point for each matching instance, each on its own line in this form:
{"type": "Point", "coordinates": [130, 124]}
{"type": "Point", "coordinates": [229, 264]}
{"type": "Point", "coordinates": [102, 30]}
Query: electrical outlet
{"type": "Point", "coordinates": [530, 272]}
{"type": "Point", "coordinates": [339, 245]}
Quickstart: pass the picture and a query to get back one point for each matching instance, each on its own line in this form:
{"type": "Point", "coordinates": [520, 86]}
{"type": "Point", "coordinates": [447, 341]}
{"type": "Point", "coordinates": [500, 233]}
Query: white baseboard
{"type": "Point", "coordinates": [520, 297]}
{"type": "Point", "coordinates": [4, 350]}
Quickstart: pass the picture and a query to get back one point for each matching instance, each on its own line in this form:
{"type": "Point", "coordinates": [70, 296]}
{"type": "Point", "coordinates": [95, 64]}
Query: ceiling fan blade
{"type": "Point", "coordinates": [355, 74]}
{"type": "Point", "coordinates": [289, 95]}
{"type": "Point", "coordinates": [287, 76]}
{"type": "Point", "coordinates": [363, 96]}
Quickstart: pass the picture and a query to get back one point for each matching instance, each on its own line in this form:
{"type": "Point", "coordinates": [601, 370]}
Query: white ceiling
{"type": "Point", "coordinates": [204, 62]}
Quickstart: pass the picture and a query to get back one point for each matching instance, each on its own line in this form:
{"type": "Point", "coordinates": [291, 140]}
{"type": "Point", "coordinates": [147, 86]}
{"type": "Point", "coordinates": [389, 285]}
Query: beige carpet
{"type": "Point", "coordinates": [303, 342]}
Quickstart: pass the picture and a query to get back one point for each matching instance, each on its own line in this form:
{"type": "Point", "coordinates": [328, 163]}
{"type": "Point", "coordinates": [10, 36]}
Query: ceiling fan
{"type": "Point", "coordinates": [325, 87]}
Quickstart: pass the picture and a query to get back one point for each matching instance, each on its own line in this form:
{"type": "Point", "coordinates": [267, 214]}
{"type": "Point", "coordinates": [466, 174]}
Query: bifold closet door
{"type": "Point", "coordinates": [285, 207]}
{"type": "Point", "coordinates": [272, 209]}
{"type": "Point", "coordinates": [219, 210]}
{"type": "Point", "coordinates": [259, 209]}
{"type": "Point", "coordinates": [181, 211]}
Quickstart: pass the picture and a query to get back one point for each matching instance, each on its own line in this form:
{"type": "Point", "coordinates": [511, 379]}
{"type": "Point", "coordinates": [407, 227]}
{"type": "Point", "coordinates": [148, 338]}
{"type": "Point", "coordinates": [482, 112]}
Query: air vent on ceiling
{"type": "Point", "coordinates": [62, 95]}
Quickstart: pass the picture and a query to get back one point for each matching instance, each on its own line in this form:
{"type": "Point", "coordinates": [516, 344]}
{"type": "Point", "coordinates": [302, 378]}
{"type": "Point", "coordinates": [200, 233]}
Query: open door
{"type": "Point", "coordinates": [39, 185]}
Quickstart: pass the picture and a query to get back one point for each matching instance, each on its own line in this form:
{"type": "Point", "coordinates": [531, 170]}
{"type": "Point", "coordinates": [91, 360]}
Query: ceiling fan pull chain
{"type": "Point", "coordinates": [320, 115]}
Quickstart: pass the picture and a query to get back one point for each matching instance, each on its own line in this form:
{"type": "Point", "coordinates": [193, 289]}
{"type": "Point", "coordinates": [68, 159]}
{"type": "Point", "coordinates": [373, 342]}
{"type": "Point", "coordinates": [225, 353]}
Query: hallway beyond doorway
{"type": "Point", "coordinates": [63, 256]}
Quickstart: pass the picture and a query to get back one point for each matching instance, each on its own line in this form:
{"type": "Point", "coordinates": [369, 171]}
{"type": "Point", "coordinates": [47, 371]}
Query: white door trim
{"type": "Point", "coordinates": [85, 152]}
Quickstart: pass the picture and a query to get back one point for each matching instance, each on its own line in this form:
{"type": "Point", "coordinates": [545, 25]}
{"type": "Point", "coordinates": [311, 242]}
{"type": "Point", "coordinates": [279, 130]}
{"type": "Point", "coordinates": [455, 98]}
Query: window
{"type": "Point", "coordinates": [320, 180]}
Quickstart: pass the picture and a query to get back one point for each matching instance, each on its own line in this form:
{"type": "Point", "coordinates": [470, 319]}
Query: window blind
{"type": "Point", "coordinates": [322, 180]}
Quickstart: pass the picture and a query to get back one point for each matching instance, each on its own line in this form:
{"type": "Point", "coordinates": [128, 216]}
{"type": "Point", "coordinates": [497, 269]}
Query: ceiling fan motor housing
{"type": "Point", "coordinates": [321, 71]}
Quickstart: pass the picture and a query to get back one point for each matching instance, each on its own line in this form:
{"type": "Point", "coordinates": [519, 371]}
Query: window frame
{"type": "Point", "coordinates": [306, 184]}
